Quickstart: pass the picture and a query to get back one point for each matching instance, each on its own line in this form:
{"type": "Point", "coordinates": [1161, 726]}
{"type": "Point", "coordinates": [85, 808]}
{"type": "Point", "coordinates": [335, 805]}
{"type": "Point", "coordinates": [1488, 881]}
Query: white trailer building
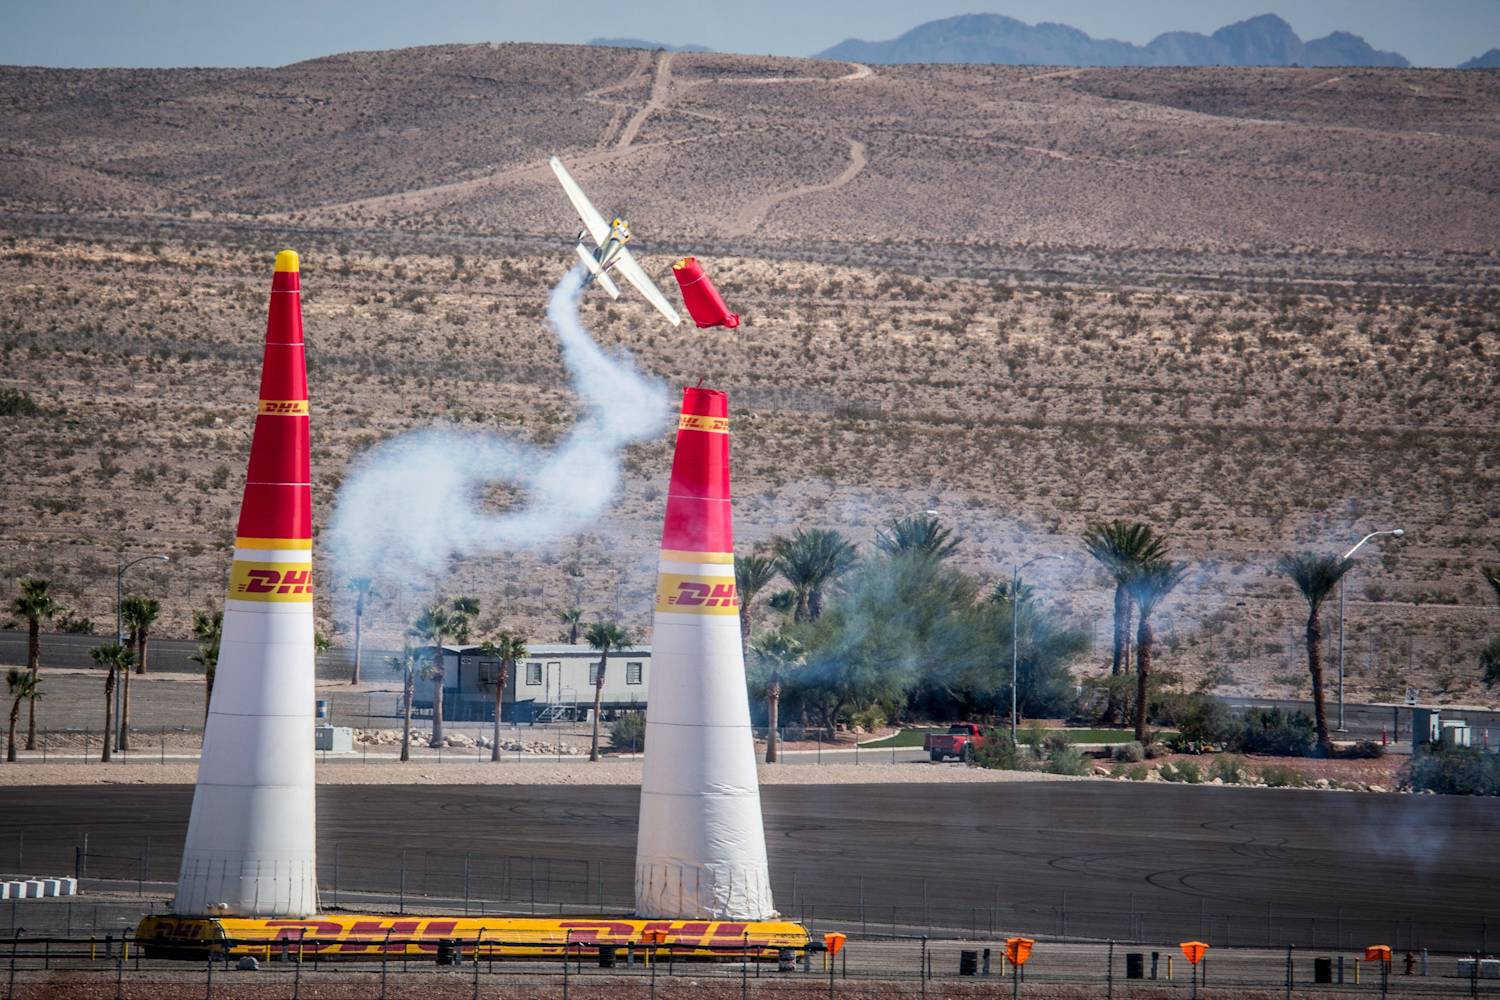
{"type": "Point", "coordinates": [553, 682]}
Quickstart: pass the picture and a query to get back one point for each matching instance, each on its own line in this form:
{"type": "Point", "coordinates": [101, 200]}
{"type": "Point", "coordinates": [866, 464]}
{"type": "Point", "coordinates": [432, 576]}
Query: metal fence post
{"type": "Point", "coordinates": [922, 966]}
{"type": "Point", "coordinates": [1289, 972]}
{"type": "Point", "coordinates": [15, 939]}
{"type": "Point", "coordinates": [403, 881]}
{"type": "Point", "coordinates": [1109, 972]}
{"type": "Point", "coordinates": [385, 950]}
{"type": "Point", "coordinates": [466, 883]}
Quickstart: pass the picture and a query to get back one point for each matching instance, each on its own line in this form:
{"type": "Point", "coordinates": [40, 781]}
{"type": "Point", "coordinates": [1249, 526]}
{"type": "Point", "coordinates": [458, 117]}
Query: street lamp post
{"type": "Point", "coordinates": [1015, 617]}
{"type": "Point", "coordinates": [1394, 533]}
{"type": "Point", "coordinates": [120, 633]}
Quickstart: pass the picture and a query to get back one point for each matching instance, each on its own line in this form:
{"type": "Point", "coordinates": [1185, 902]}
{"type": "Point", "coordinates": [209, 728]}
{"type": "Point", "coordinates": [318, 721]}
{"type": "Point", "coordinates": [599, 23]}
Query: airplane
{"type": "Point", "coordinates": [611, 253]}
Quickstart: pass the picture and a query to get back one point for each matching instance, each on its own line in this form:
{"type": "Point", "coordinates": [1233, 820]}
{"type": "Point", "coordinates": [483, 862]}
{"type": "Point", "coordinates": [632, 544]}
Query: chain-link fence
{"type": "Point", "coordinates": [115, 965]}
{"type": "Point", "coordinates": [360, 877]}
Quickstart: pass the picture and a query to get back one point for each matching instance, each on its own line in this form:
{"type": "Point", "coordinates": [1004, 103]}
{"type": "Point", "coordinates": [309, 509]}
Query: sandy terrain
{"type": "Point", "coordinates": [1255, 308]}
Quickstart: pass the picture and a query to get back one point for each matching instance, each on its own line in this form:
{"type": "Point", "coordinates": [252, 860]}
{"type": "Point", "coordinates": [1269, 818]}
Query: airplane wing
{"type": "Point", "coordinates": [592, 220]}
{"type": "Point", "coordinates": [626, 265]}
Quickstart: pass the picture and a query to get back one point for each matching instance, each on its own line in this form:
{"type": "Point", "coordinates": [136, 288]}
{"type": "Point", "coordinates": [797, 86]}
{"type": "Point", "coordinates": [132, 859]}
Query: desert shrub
{"type": "Point", "coordinates": [1489, 662]}
{"type": "Point", "coordinates": [870, 719]}
{"type": "Point", "coordinates": [1203, 719]}
{"type": "Point", "coordinates": [628, 732]}
{"type": "Point", "coordinates": [1364, 750]}
{"type": "Point", "coordinates": [1280, 776]}
{"type": "Point", "coordinates": [1033, 735]}
{"type": "Point", "coordinates": [1068, 761]}
{"type": "Point", "coordinates": [1455, 771]}
{"type": "Point", "coordinates": [1135, 772]}
{"type": "Point", "coordinates": [1130, 753]}
{"type": "Point", "coordinates": [1000, 753]}
{"type": "Point", "coordinates": [1183, 771]}
{"type": "Point", "coordinates": [15, 403]}
{"type": "Point", "coordinates": [1274, 731]}
{"type": "Point", "coordinates": [1227, 769]}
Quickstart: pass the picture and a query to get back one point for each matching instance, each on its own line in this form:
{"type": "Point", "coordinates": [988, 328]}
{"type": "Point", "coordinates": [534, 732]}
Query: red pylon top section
{"type": "Point", "coordinates": [277, 504]}
{"type": "Point", "coordinates": [698, 514]}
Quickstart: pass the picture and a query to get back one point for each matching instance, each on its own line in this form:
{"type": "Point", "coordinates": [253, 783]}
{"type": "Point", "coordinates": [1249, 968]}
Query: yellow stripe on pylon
{"type": "Point", "coordinates": [283, 407]}
{"type": "Point", "coordinates": [684, 556]}
{"type": "Point", "coordinates": [273, 543]}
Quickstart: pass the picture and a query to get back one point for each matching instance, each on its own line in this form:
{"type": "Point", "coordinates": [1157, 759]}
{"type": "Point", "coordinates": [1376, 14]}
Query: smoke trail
{"type": "Point", "coordinates": [417, 500]}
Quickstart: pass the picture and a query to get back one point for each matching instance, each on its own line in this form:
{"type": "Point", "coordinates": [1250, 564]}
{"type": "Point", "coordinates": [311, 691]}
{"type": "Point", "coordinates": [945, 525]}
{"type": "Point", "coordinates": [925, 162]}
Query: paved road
{"type": "Point", "coordinates": [1232, 866]}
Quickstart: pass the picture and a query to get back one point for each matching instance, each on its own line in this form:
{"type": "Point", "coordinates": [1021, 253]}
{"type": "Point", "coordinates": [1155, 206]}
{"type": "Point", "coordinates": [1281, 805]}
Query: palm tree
{"type": "Point", "coordinates": [921, 534]}
{"type": "Point", "coordinates": [780, 651]}
{"type": "Point", "coordinates": [23, 686]}
{"type": "Point", "coordinates": [1315, 576]}
{"type": "Point", "coordinates": [603, 636]}
{"type": "Point", "coordinates": [507, 647]}
{"type": "Point", "coordinates": [139, 614]}
{"type": "Point", "coordinates": [116, 659]}
{"type": "Point", "coordinates": [363, 591]}
{"type": "Point", "coordinates": [208, 629]}
{"type": "Point", "coordinates": [752, 574]}
{"type": "Point", "coordinates": [406, 665]}
{"type": "Point", "coordinates": [35, 603]}
{"type": "Point", "coordinates": [1492, 577]}
{"type": "Point", "coordinates": [1148, 588]}
{"type": "Point", "coordinates": [1122, 549]}
{"type": "Point", "coordinates": [810, 561]}
{"type": "Point", "coordinates": [572, 619]}
{"type": "Point", "coordinates": [436, 624]}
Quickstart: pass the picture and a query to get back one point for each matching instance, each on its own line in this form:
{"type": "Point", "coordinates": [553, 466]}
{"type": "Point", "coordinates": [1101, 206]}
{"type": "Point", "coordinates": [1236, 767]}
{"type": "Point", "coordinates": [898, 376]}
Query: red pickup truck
{"type": "Point", "coordinates": [961, 740]}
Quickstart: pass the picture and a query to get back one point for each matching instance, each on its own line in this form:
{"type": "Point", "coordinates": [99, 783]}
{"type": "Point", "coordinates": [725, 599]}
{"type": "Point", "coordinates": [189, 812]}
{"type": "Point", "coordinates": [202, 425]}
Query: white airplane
{"type": "Point", "coordinates": [610, 253]}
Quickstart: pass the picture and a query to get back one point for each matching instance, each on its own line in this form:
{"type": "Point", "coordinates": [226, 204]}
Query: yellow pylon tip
{"type": "Point", "coordinates": [287, 260]}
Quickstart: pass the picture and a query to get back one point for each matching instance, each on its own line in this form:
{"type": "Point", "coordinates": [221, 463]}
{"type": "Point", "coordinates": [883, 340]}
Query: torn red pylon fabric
{"type": "Point", "coordinates": [703, 301]}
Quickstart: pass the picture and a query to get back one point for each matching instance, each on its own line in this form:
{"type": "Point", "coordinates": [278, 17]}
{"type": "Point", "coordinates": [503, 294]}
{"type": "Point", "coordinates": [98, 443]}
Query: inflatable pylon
{"type": "Point", "coordinates": [701, 847]}
{"type": "Point", "coordinates": [703, 301]}
{"type": "Point", "coordinates": [251, 839]}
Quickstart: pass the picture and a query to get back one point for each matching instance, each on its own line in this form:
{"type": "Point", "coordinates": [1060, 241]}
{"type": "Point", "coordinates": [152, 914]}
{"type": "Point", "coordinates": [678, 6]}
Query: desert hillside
{"type": "Point", "coordinates": [1255, 307]}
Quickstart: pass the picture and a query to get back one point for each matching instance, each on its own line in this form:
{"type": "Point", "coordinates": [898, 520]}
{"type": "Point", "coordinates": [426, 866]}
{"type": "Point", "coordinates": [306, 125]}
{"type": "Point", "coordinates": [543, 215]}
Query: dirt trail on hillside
{"type": "Point", "coordinates": [754, 214]}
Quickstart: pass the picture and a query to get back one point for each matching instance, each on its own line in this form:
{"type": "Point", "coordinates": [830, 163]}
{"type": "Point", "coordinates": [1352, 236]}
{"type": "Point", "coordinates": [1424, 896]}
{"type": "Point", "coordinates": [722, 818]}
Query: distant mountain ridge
{"type": "Point", "coordinates": [641, 43]}
{"type": "Point", "coordinates": [1266, 40]}
{"type": "Point", "coordinates": [1490, 60]}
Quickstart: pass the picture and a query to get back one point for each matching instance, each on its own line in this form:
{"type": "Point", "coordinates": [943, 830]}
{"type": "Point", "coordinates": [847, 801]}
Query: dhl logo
{"type": "Point", "coordinates": [695, 422]}
{"type": "Point", "coordinates": [707, 595]}
{"type": "Point", "coordinates": [500, 937]}
{"type": "Point", "coordinates": [262, 581]}
{"type": "Point", "coordinates": [284, 407]}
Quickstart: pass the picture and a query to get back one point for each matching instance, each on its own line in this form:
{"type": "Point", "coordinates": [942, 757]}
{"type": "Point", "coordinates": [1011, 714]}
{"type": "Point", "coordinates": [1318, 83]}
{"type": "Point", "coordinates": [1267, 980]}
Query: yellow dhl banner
{"type": "Point", "coordinates": [370, 936]}
{"type": "Point", "coordinates": [699, 595]}
{"type": "Point", "coordinates": [270, 581]}
{"type": "Point", "coordinates": [283, 407]}
{"type": "Point", "coordinates": [697, 422]}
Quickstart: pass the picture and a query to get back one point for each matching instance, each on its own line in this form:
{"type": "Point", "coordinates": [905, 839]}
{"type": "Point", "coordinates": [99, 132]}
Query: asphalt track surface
{"type": "Point", "coordinates": [1236, 867]}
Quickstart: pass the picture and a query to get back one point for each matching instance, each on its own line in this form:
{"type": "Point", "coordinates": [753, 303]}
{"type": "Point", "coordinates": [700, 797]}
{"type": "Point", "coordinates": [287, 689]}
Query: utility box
{"type": "Point", "coordinates": [1456, 733]}
{"type": "Point", "coordinates": [334, 739]}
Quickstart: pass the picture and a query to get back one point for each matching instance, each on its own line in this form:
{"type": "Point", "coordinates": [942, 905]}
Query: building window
{"type": "Point", "coordinates": [593, 674]}
{"type": "Point", "coordinates": [533, 675]}
{"type": "Point", "coordinates": [632, 673]}
{"type": "Point", "coordinates": [489, 673]}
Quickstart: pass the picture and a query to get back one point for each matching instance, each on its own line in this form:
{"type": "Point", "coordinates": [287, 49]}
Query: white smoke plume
{"type": "Point", "coordinates": [416, 500]}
